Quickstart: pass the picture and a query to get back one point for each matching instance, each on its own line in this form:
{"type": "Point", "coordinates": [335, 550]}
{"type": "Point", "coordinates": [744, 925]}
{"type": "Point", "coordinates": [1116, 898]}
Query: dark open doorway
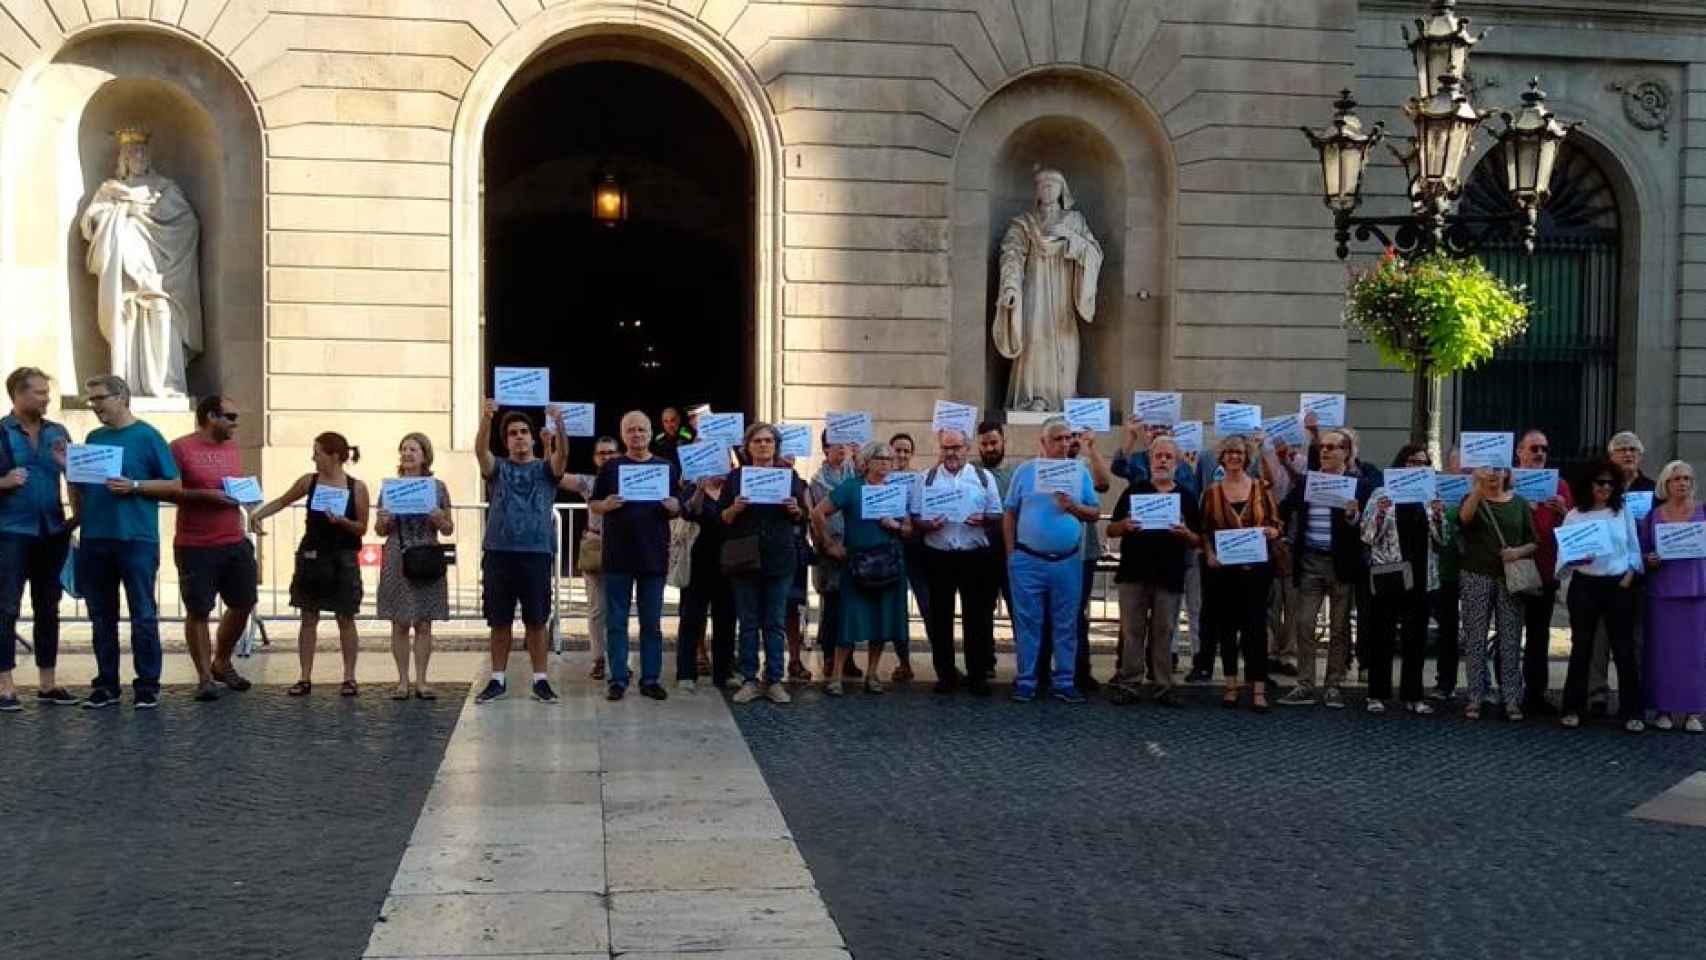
{"type": "Point", "coordinates": [650, 312]}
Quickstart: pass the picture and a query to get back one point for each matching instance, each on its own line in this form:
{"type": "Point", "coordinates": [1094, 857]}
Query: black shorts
{"type": "Point", "coordinates": [227, 573]}
{"type": "Point", "coordinates": [512, 577]}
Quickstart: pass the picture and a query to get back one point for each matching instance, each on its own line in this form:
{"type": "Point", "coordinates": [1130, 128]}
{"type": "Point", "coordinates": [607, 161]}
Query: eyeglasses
{"type": "Point", "coordinates": [1602, 481]}
{"type": "Point", "coordinates": [1419, 462]}
{"type": "Point", "coordinates": [1538, 448]}
{"type": "Point", "coordinates": [229, 416]}
{"type": "Point", "coordinates": [1332, 446]}
{"type": "Point", "coordinates": [604, 452]}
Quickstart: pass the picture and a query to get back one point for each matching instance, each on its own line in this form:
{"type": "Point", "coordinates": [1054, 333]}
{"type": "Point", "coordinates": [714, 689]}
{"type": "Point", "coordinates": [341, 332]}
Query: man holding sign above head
{"type": "Point", "coordinates": [521, 532]}
{"type": "Point", "coordinates": [34, 536]}
{"type": "Point", "coordinates": [1048, 503]}
{"type": "Point", "coordinates": [120, 546]}
{"type": "Point", "coordinates": [327, 576]}
{"type": "Point", "coordinates": [215, 559]}
{"type": "Point", "coordinates": [1599, 552]}
{"type": "Point", "coordinates": [1673, 541]}
{"type": "Point", "coordinates": [1239, 513]}
{"type": "Point", "coordinates": [635, 494]}
{"type": "Point", "coordinates": [1158, 528]}
{"type": "Point", "coordinates": [1324, 513]}
{"type": "Point", "coordinates": [954, 507]}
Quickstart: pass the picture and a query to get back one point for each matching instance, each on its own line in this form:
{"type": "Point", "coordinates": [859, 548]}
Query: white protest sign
{"type": "Point", "coordinates": [1231, 419]}
{"type": "Point", "coordinates": [706, 458]}
{"type": "Point", "coordinates": [1680, 541]}
{"type": "Point", "coordinates": [1329, 489]}
{"type": "Point", "coordinates": [333, 500]}
{"type": "Point", "coordinates": [1410, 484]}
{"type": "Point", "coordinates": [1583, 541]}
{"type": "Point", "coordinates": [1452, 487]}
{"type": "Point", "coordinates": [1486, 450]}
{"type": "Point", "coordinates": [642, 482]}
{"type": "Point", "coordinates": [908, 478]}
{"type": "Point", "coordinates": [1329, 408]}
{"type": "Point", "coordinates": [521, 386]}
{"type": "Point", "coordinates": [728, 429]}
{"type": "Point", "coordinates": [882, 502]}
{"type": "Point", "coordinates": [955, 416]}
{"type": "Point", "coordinates": [1240, 546]}
{"type": "Point", "coordinates": [766, 484]}
{"type": "Point", "coordinates": [408, 496]}
{"type": "Point", "coordinates": [1535, 485]}
{"type": "Point", "coordinates": [93, 463]}
{"type": "Point", "coordinates": [244, 490]}
{"type": "Point", "coordinates": [796, 439]}
{"type": "Point", "coordinates": [1287, 429]}
{"type": "Point", "coordinates": [1059, 476]}
{"type": "Point", "coordinates": [945, 501]}
{"type": "Point", "coordinates": [1639, 503]}
{"type": "Point", "coordinates": [1155, 511]}
{"type": "Point", "coordinates": [1188, 435]}
{"type": "Point", "coordinates": [1089, 414]}
{"type": "Point", "coordinates": [1158, 407]}
{"type": "Point", "coordinates": [849, 426]}
{"type": "Point", "coordinates": [578, 418]}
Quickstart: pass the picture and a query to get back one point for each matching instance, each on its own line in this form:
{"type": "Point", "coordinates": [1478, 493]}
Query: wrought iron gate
{"type": "Point", "coordinates": [1561, 376]}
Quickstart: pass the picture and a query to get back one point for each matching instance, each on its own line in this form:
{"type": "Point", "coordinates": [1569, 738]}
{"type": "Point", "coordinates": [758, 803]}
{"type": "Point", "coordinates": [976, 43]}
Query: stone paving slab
{"type": "Point", "coordinates": [1683, 804]}
{"type": "Point", "coordinates": [589, 827]}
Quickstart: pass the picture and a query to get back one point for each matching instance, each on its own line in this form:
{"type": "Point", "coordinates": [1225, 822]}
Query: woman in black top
{"type": "Point", "coordinates": [328, 576]}
{"type": "Point", "coordinates": [761, 538]}
{"type": "Point", "coordinates": [1151, 577]}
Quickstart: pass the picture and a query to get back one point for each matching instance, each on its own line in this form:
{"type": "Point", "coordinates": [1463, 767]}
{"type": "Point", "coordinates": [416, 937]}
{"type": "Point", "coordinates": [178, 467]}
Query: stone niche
{"type": "Point", "coordinates": [57, 147]}
{"type": "Point", "coordinates": [1120, 171]}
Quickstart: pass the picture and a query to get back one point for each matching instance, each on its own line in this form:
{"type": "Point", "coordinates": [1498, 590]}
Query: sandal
{"type": "Point", "coordinates": [348, 689]}
{"type": "Point", "coordinates": [425, 693]}
{"type": "Point", "coordinates": [1259, 702]}
{"type": "Point", "coordinates": [299, 689]}
{"type": "Point", "coordinates": [1472, 712]}
{"type": "Point", "coordinates": [400, 692]}
{"type": "Point", "coordinates": [902, 673]}
{"type": "Point", "coordinates": [798, 671]}
{"type": "Point", "coordinates": [1229, 699]}
{"type": "Point", "coordinates": [597, 671]}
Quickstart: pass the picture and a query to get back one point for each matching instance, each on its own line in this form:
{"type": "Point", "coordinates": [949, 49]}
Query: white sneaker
{"type": "Point", "coordinates": [747, 693]}
{"type": "Point", "coordinates": [1692, 724]}
{"type": "Point", "coordinates": [1664, 722]}
{"type": "Point", "coordinates": [1375, 706]}
{"type": "Point", "coordinates": [685, 686]}
{"type": "Point", "coordinates": [1421, 707]}
{"type": "Point", "coordinates": [778, 693]}
{"type": "Point", "coordinates": [1635, 725]}
{"type": "Point", "coordinates": [1570, 721]}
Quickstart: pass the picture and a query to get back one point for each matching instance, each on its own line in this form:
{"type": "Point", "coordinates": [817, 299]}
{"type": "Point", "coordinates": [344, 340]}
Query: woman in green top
{"type": "Point", "coordinates": [871, 614]}
{"type": "Point", "coordinates": [1496, 526]}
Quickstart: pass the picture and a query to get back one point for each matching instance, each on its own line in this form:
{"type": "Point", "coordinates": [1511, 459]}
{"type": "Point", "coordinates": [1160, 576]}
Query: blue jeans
{"type": "Point", "coordinates": [619, 592]}
{"type": "Point", "coordinates": [39, 561]}
{"type": "Point", "coordinates": [762, 601]}
{"type": "Point", "coordinates": [1052, 588]}
{"type": "Point", "coordinates": [102, 567]}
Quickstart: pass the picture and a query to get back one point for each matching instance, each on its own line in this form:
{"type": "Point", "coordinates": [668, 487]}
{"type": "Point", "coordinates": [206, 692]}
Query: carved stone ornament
{"type": "Point", "coordinates": [1648, 103]}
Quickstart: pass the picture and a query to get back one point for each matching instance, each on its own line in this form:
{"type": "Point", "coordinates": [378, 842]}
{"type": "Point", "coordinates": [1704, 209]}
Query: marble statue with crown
{"type": "Point", "coordinates": [1050, 262]}
{"type": "Point", "coordinates": [144, 250]}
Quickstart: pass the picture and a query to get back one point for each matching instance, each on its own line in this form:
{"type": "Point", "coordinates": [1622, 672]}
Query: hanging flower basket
{"type": "Point", "coordinates": [1437, 314]}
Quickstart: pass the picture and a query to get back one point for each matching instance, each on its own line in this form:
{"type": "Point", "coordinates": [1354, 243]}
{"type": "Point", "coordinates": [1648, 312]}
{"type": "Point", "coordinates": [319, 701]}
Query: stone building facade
{"type": "Point", "coordinates": [340, 155]}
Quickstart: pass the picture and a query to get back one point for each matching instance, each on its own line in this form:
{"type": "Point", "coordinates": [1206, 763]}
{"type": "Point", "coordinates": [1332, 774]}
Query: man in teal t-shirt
{"type": "Point", "coordinates": [120, 545]}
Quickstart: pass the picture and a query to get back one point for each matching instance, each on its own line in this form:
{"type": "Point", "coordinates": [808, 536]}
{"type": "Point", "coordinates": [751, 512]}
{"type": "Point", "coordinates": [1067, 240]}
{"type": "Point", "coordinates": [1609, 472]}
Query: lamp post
{"type": "Point", "coordinates": [1445, 123]}
{"type": "Point", "coordinates": [609, 201]}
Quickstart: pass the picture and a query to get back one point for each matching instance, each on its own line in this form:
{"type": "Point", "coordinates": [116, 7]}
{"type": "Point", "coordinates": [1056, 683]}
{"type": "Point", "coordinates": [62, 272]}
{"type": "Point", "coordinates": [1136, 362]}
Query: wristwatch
{"type": "Point", "coordinates": [135, 485]}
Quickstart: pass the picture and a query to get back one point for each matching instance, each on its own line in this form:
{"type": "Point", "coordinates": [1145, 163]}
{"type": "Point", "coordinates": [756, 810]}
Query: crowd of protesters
{"type": "Point", "coordinates": [1486, 568]}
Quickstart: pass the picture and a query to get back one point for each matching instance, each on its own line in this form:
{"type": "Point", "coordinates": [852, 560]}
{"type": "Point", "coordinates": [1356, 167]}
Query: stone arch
{"type": "Point", "coordinates": [56, 148]}
{"type": "Point", "coordinates": [739, 91]}
{"type": "Point", "coordinates": [1118, 160]}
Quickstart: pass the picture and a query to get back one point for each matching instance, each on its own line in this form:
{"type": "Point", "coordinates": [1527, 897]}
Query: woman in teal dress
{"type": "Point", "coordinates": [873, 612]}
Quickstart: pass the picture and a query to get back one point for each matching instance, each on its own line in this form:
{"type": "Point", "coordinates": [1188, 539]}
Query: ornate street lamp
{"type": "Point", "coordinates": [1440, 47]}
{"type": "Point", "coordinates": [1445, 124]}
{"type": "Point", "coordinates": [1530, 140]}
{"type": "Point", "coordinates": [1343, 148]}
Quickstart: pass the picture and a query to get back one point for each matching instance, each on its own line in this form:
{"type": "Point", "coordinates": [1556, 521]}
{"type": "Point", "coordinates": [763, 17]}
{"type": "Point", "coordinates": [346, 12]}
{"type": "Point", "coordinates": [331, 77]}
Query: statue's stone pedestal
{"type": "Point", "coordinates": [1029, 418]}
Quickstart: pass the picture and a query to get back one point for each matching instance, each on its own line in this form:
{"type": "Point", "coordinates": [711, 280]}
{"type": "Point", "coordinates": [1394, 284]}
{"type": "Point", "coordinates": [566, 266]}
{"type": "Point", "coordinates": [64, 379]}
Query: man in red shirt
{"type": "Point", "coordinates": [214, 556]}
{"type": "Point", "coordinates": [1531, 454]}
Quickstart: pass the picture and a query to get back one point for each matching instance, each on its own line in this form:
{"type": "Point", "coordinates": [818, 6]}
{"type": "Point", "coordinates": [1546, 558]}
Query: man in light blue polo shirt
{"type": "Point", "coordinates": [1043, 533]}
{"type": "Point", "coordinates": [121, 542]}
{"type": "Point", "coordinates": [33, 533]}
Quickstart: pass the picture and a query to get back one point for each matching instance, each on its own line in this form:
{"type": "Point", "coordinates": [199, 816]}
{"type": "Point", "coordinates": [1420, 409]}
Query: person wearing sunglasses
{"type": "Point", "coordinates": [1531, 454]}
{"type": "Point", "coordinates": [120, 545]}
{"type": "Point", "coordinates": [215, 559]}
{"type": "Point", "coordinates": [1327, 562]}
{"type": "Point", "coordinates": [1602, 591]}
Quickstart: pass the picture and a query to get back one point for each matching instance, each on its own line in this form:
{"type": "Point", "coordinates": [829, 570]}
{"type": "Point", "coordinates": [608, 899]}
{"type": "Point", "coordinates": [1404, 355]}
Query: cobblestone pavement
{"type": "Point", "coordinates": [258, 826]}
{"type": "Point", "coordinates": [958, 828]}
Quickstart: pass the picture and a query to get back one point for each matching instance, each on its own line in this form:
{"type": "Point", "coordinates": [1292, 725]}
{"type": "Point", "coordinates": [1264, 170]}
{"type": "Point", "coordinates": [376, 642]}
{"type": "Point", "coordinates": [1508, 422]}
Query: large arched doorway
{"type": "Point", "coordinates": [1562, 375]}
{"type": "Point", "coordinates": [657, 308]}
